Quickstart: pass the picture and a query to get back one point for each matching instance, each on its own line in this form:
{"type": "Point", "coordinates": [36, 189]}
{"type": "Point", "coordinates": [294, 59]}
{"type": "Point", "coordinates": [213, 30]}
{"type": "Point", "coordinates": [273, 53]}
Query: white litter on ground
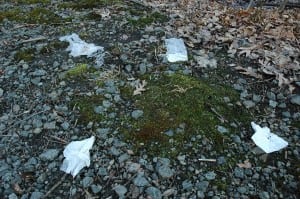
{"type": "Point", "coordinates": [79, 47]}
{"type": "Point", "coordinates": [77, 156]}
{"type": "Point", "coordinates": [176, 50]}
{"type": "Point", "coordinates": [267, 141]}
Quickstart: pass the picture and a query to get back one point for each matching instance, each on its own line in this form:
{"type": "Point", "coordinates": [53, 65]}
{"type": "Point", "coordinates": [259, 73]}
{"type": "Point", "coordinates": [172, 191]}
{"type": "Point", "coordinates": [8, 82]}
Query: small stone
{"type": "Point", "coordinates": [286, 114]}
{"type": "Point", "coordinates": [123, 157]}
{"type": "Point", "coordinates": [242, 190]}
{"type": "Point", "coordinates": [134, 167]}
{"type": "Point", "coordinates": [238, 87]}
{"type": "Point", "coordinates": [248, 103]}
{"type": "Point", "coordinates": [169, 192]}
{"type": "Point", "coordinates": [16, 108]}
{"type": "Point", "coordinates": [282, 105]}
{"type": "Point", "coordinates": [187, 185]}
{"type": "Point", "coordinates": [87, 181]}
{"type": "Point", "coordinates": [239, 173]}
{"type": "Point", "coordinates": [181, 159]}
{"type": "Point", "coordinates": [140, 180]}
{"type": "Point", "coordinates": [169, 133]}
{"type": "Point", "coordinates": [221, 160]}
{"type": "Point", "coordinates": [106, 103]}
{"type": "Point", "coordinates": [202, 186]}
{"type": "Point", "coordinates": [154, 193]}
{"type": "Point", "coordinates": [99, 109]}
{"type": "Point", "coordinates": [272, 103]}
{"type": "Point", "coordinates": [210, 175]}
{"type": "Point", "coordinates": [295, 100]}
{"type": "Point", "coordinates": [12, 196]}
{"type": "Point", "coordinates": [36, 195]}
{"type": "Point", "coordinates": [96, 188]}
{"type": "Point", "coordinates": [264, 195]}
{"type": "Point", "coordinates": [102, 171]}
{"type": "Point", "coordinates": [120, 190]}
{"type": "Point", "coordinates": [50, 125]}
{"type": "Point", "coordinates": [37, 130]}
{"type": "Point", "coordinates": [137, 113]}
{"type": "Point", "coordinates": [256, 98]}
{"type": "Point", "coordinates": [65, 125]}
{"type": "Point", "coordinates": [114, 151]}
{"type": "Point", "coordinates": [222, 129]}
{"type": "Point", "coordinates": [142, 68]}
{"type": "Point", "coordinates": [271, 96]}
{"type": "Point", "coordinates": [49, 155]}
{"type": "Point", "coordinates": [165, 171]}
{"type": "Point", "coordinates": [1, 92]}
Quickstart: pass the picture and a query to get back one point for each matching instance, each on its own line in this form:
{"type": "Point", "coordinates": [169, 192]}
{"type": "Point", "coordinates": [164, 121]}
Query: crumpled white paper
{"type": "Point", "coordinates": [176, 50]}
{"type": "Point", "coordinates": [267, 141]}
{"type": "Point", "coordinates": [79, 47]}
{"type": "Point", "coordinates": [77, 156]}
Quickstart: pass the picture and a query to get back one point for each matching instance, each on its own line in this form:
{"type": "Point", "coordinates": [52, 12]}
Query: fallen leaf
{"type": "Point", "coordinates": [246, 164]}
{"type": "Point", "coordinates": [140, 88]}
{"type": "Point", "coordinates": [17, 188]}
{"type": "Point", "coordinates": [249, 71]}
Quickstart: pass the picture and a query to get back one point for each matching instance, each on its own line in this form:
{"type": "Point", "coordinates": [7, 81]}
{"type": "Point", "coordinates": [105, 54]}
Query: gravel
{"type": "Point", "coordinates": [39, 116]}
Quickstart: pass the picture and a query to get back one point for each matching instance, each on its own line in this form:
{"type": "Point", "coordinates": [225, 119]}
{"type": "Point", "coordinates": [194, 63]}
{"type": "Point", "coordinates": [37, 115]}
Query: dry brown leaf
{"type": "Point", "coordinates": [249, 71]}
{"type": "Point", "coordinates": [17, 188]}
{"type": "Point", "coordinates": [246, 164]}
{"type": "Point", "coordinates": [282, 32]}
{"type": "Point", "coordinates": [140, 88]}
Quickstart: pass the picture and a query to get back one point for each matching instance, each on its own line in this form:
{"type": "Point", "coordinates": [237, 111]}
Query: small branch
{"type": "Point", "coordinates": [59, 139]}
{"type": "Point", "coordinates": [18, 122]}
{"type": "Point", "coordinates": [207, 160]}
{"type": "Point", "coordinates": [33, 39]}
{"type": "Point", "coordinates": [54, 186]}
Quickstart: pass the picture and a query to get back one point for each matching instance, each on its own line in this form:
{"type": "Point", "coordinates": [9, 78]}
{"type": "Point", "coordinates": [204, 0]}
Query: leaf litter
{"type": "Point", "coordinates": [265, 36]}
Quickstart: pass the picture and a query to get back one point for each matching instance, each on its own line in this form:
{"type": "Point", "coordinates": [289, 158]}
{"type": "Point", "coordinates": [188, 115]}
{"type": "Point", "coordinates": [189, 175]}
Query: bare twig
{"type": "Point", "coordinates": [207, 160]}
{"type": "Point", "coordinates": [54, 186]}
{"type": "Point", "coordinates": [33, 39]}
{"type": "Point", "coordinates": [20, 121]}
{"type": "Point", "coordinates": [58, 139]}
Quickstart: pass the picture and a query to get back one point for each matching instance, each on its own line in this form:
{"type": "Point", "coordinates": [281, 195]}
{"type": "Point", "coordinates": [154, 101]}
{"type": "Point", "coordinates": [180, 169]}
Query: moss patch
{"type": "Point", "coordinates": [186, 106]}
{"type": "Point", "coordinates": [54, 45]}
{"type": "Point", "coordinates": [79, 71]}
{"type": "Point", "coordinates": [25, 54]}
{"type": "Point", "coordinates": [87, 4]}
{"type": "Point", "coordinates": [86, 105]}
{"type": "Point", "coordinates": [31, 1]}
{"type": "Point", "coordinates": [36, 16]}
{"type": "Point", "coordinates": [145, 20]}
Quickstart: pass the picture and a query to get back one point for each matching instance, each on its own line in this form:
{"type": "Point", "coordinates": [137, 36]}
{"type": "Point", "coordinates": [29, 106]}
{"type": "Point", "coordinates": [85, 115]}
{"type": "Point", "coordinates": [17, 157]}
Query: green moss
{"type": "Point", "coordinates": [26, 55]}
{"type": "Point", "coordinates": [87, 4]}
{"type": "Point", "coordinates": [35, 16]}
{"type": "Point", "coordinates": [296, 124]}
{"type": "Point", "coordinates": [148, 19]}
{"type": "Point", "coordinates": [52, 46]}
{"type": "Point", "coordinates": [180, 102]}
{"type": "Point", "coordinates": [13, 14]}
{"type": "Point", "coordinates": [86, 106]}
{"type": "Point", "coordinates": [31, 1]}
{"type": "Point", "coordinates": [79, 71]}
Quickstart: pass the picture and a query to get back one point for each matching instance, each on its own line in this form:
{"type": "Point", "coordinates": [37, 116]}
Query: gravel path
{"type": "Point", "coordinates": [38, 116]}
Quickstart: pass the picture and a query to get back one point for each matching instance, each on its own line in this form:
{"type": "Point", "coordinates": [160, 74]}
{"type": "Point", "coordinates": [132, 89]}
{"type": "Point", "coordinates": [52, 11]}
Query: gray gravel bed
{"type": "Point", "coordinates": [37, 119]}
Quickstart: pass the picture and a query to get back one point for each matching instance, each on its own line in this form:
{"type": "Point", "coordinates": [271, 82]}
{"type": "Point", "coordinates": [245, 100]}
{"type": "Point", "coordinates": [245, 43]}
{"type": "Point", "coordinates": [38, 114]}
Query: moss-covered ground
{"type": "Point", "coordinates": [186, 106]}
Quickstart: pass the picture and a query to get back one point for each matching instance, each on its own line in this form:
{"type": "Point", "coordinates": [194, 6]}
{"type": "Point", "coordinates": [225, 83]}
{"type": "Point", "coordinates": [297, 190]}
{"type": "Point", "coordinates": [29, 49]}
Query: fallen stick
{"type": "Point", "coordinates": [54, 186]}
{"type": "Point", "coordinates": [207, 160]}
{"type": "Point", "coordinates": [33, 39]}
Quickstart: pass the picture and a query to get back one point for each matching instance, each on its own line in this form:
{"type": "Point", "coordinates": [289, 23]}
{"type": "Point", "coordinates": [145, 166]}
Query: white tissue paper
{"type": "Point", "coordinates": [77, 156]}
{"type": "Point", "coordinates": [176, 50]}
{"type": "Point", "coordinates": [267, 141]}
{"type": "Point", "coordinates": [79, 47]}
